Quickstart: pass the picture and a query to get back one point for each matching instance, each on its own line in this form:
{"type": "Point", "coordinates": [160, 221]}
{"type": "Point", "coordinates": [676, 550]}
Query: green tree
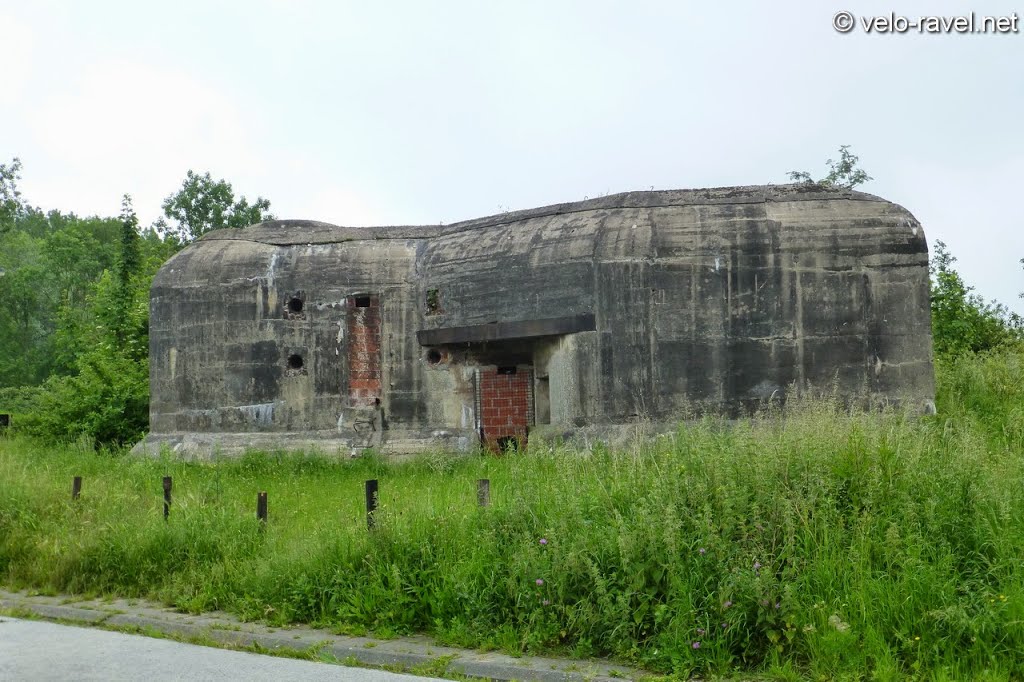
{"type": "Point", "coordinates": [27, 288]}
{"type": "Point", "coordinates": [106, 398]}
{"type": "Point", "coordinates": [11, 205]}
{"type": "Point", "coordinates": [124, 327]}
{"type": "Point", "coordinates": [844, 173]}
{"type": "Point", "coordinates": [203, 204]}
{"type": "Point", "coordinates": [129, 257]}
{"type": "Point", "coordinates": [963, 322]}
{"type": "Point", "coordinates": [74, 327]}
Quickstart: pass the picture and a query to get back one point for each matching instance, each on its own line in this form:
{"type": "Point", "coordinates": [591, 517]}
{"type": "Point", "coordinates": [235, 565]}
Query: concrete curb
{"type": "Point", "coordinates": [224, 630]}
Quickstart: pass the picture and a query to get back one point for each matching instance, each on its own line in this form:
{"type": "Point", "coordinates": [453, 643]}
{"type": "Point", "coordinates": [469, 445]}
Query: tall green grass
{"type": "Point", "coordinates": [811, 543]}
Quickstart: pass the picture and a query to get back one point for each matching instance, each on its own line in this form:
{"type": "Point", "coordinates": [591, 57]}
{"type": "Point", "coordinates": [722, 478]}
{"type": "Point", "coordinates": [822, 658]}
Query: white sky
{"type": "Point", "coordinates": [424, 112]}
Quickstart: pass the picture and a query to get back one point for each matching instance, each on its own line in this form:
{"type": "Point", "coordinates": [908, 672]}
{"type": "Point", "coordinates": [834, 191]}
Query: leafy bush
{"type": "Point", "coordinates": [963, 322]}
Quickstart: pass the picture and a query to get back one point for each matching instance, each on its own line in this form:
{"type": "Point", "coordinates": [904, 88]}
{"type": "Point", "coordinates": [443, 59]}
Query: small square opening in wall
{"type": "Point", "coordinates": [362, 301]}
{"type": "Point", "coordinates": [507, 370]}
{"type": "Point", "coordinates": [433, 301]}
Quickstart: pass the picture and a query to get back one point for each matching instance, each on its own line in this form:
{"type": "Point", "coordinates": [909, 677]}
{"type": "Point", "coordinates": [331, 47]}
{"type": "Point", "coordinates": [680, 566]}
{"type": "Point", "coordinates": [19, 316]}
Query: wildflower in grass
{"type": "Point", "coordinates": [696, 645]}
{"type": "Point", "coordinates": [540, 581]}
{"type": "Point", "coordinates": [757, 566]}
{"type": "Point", "coordinates": [546, 602]}
{"type": "Point", "coordinates": [727, 604]}
{"type": "Point", "coordinates": [700, 631]}
{"type": "Point", "coordinates": [724, 625]}
{"type": "Point", "coordinates": [835, 621]}
{"type": "Point", "coordinates": [543, 541]}
{"type": "Point", "coordinates": [778, 605]}
{"type": "Point", "coordinates": [702, 551]}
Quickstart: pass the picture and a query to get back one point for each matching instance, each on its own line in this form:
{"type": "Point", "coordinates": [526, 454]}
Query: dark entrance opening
{"type": "Point", "coordinates": [507, 444]}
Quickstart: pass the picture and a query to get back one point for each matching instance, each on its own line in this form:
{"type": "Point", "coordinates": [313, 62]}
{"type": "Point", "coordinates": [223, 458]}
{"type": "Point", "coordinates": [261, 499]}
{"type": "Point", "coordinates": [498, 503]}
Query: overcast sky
{"type": "Point", "coordinates": [366, 113]}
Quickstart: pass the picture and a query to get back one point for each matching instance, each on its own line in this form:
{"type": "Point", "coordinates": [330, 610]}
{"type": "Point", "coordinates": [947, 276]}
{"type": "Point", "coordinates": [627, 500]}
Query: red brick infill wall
{"type": "Point", "coordinates": [505, 406]}
{"type": "Point", "coordinates": [364, 377]}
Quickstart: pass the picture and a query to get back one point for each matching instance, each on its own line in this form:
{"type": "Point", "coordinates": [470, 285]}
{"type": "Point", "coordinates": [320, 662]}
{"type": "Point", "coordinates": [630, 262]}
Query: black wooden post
{"type": "Point", "coordinates": [167, 497]}
{"type": "Point", "coordinates": [371, 501]}
{"type": "Point", "coordinates": [76, 487]}
{"type": "Point", "coordinates": [483, 492]}
{"type": "Point", "coordinates": [261, 507]}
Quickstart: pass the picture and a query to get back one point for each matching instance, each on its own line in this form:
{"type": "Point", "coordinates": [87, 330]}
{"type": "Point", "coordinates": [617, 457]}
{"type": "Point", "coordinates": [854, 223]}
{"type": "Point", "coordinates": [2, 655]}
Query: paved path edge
{"type": "Point", "coordinates": [220, 629]}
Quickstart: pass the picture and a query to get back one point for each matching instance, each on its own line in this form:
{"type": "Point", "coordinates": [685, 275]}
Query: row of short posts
{"type": "Point", "coordinates": [483, 498]}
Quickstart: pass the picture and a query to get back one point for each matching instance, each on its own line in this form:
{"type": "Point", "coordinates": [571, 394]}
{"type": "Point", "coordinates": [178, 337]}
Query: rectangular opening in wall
{"type": "Point", "coordinates": [433, 301]}
{"type": "Point", "coordinates": [362, 301]}
{"type": "Point", "coordinates": [507, 370]}
{"type": "Point", "coordinates": [542, 400]}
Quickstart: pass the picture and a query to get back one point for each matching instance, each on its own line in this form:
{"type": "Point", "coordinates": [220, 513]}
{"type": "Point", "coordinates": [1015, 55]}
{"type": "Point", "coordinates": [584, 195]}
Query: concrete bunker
{"type": "Point", "coordinates": [586, 316]}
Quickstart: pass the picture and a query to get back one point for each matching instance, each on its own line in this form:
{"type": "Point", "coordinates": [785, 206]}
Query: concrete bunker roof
{"type": "Point", "coordinates": [295, 232]}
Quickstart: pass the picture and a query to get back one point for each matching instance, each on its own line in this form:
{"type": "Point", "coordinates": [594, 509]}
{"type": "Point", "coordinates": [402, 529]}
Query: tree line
{"type": "Point", "coordinates": [75, 330]}
{"type": "Point", "coordinates": [74, 327]}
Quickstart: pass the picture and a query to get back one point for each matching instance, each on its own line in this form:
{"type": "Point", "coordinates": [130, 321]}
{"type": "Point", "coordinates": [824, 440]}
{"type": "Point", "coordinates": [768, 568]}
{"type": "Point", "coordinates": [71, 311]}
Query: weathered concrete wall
{"type": "Point", "coordinates": [223, 337]}
{"type": "Point", "coordinates": [627, 307]}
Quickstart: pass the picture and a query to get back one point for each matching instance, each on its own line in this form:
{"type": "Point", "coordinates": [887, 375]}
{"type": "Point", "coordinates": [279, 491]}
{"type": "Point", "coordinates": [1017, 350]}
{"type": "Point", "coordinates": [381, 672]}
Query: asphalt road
{"type": "Point", "coordinates": [35, 650]}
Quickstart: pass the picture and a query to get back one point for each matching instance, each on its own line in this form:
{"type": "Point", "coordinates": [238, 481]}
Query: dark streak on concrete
{"type": "Point", "coordinates": [720, 299]}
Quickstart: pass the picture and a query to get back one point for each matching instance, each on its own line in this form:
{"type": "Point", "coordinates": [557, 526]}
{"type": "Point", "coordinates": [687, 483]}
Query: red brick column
{"type": "Point", "coordinates": [364, 375]}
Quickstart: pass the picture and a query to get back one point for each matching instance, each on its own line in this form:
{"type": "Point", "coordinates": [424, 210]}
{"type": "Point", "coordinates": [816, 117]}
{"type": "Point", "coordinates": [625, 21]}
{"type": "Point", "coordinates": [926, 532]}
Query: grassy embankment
{"type": "Point", "coordinates": [821, 544]}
